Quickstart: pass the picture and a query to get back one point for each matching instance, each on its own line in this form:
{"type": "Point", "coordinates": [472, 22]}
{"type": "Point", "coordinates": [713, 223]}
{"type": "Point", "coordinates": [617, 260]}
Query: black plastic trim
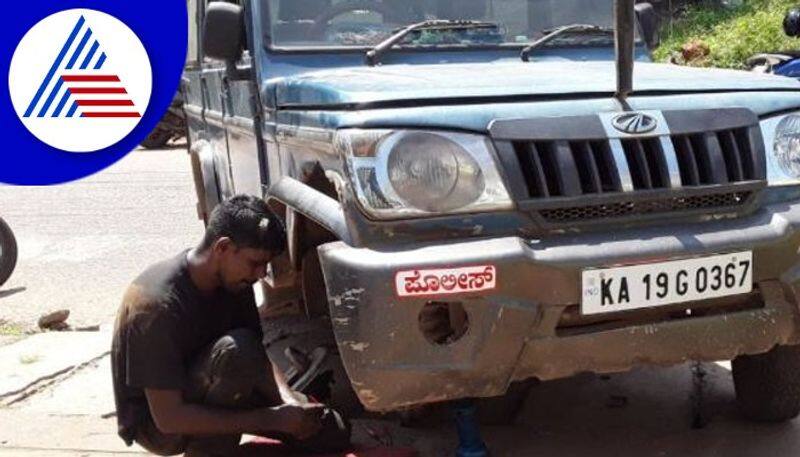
{"type": "Point", "coordinates": [646, 211]}
{"type": "Point", "coordinates": [567, 128]}
{"type": "Point", "coordinates": [719, 170]}
{"type": "Point", "coordinates": [567, 171]}
{"type": "Point", "coordinates": [648, 194]}
{"type": "Point", "coordinates": [705, 120]}
{"type": "Point", "coordinates": [510, 165]}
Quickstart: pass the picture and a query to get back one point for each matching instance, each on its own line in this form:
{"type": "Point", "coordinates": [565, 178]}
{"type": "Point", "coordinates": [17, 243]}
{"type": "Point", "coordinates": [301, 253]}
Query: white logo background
{"type": "Point", "coordinates": [39, 48]}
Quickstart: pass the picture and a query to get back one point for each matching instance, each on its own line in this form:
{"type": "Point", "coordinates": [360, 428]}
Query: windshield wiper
{"type": "Point", "coordinates": [555, 33]}
{"type": "Point", "coordinates": [374, 55]}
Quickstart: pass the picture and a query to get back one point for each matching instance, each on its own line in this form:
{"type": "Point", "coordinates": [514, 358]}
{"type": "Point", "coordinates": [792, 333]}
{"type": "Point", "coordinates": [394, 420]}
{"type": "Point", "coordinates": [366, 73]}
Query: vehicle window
{"type": "Point", "coordinates": [360, 23]}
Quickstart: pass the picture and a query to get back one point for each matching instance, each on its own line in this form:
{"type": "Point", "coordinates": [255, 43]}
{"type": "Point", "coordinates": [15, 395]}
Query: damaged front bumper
{"type": "Point", "coordinates": [527, 324]}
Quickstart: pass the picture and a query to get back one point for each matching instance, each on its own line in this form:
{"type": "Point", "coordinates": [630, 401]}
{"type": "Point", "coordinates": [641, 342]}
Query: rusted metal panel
{"type": "Point", "coordinates": [512, 331]}
{"type": "Point", "coordinates": [720, 337]}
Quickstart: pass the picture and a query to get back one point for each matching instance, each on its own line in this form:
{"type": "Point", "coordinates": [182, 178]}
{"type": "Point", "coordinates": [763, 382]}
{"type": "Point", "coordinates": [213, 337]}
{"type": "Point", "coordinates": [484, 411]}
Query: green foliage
{"type": "Point", "coordinates": [28, 359]}
{"type": "Point", "coordinates": [10, 328]}
{"type": "Point", "coordinates": [732, 35]}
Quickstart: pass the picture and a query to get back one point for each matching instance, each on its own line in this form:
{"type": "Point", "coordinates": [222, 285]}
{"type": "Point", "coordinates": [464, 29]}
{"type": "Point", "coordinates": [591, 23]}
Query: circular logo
{"type": "Point", "coordinates": [80, 80]}
{"type": "Point", "coordinates": [635, 123]}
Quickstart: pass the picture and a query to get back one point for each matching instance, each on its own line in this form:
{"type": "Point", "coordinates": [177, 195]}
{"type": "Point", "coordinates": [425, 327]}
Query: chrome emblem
{"type": "Point", "coordinates": [634, 123]}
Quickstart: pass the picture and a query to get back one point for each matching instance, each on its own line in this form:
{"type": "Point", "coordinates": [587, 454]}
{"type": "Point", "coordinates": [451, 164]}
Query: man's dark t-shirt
{"type": "Point", "coordinates": [164, 321]}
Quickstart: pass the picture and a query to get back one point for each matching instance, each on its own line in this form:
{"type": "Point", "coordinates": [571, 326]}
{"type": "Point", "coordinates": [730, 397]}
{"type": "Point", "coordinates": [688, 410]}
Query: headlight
{"type": "Point", "coordinates": [431, 172]}
{"type": "Point", "coordinates": [408, 173]}
{"type": "Point", "coordinates": [787, 144]}
{"type": "Point", "coordinates": [782, 142]}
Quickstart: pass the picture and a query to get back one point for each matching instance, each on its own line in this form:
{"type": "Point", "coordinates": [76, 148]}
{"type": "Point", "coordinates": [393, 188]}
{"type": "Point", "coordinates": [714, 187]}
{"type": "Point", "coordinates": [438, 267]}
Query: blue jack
{"type": "Point", "coordinates": [470, 443]}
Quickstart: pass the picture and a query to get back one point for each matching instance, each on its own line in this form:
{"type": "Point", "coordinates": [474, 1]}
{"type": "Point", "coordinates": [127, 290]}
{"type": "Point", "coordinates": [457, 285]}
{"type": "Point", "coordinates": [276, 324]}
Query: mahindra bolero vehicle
{"type": "Point", "coordinates": [480, 192]}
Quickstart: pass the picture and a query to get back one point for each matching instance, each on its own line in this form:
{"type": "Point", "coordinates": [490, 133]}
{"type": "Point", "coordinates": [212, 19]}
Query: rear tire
{"type": "Point", "coordinates": [768, 385]}
{"type": "Point", "coordinates": [8, 252]}
{"type": "Point", "coordinates": [157, 139]}
{"type": "Point", "coordinates": [169, 127]}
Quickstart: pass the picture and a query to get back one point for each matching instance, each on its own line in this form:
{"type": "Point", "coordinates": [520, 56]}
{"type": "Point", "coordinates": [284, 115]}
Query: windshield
{"type": "Point", "coordinates": [365, 23]}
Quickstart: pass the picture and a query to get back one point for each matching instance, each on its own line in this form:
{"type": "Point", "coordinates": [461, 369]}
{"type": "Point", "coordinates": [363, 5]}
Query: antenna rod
{"type": "Point", "coordinates": [624, 23]}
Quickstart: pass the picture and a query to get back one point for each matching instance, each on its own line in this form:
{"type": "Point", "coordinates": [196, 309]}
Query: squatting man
{"type": "Point", "coordinates": [189, 370]}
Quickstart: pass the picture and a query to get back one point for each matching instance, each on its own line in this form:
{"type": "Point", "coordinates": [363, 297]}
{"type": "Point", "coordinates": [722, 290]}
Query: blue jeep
{"type": "Point", "coordinates": [480, 192]}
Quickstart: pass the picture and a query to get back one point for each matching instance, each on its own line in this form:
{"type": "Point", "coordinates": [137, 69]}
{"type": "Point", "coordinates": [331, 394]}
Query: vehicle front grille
{"type": "Point", "coordinates": [569, 168]}
{"type": "Point", "coordinates": [720, 157]}
{"type": "Point", "coordinates": [729, 200]}
{"type": "Point", "coordinates": [575, 169]}
{"type": "Point", "coordinates": [559, 168]}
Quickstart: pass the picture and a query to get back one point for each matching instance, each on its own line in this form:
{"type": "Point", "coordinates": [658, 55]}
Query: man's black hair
{"type": "Point", "coordinates": [248, 222]}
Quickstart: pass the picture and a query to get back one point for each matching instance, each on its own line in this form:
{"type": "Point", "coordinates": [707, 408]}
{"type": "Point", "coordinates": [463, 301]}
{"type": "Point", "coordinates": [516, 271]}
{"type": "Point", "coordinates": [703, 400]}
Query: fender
{"type": "Point", "coordinates": [206, 181]}
{"type": "Point", "coordinates": [312, 204]}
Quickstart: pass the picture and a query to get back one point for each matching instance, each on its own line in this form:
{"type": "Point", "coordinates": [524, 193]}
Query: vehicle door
{"type": "Point", "coordinates": [241, 108]}
{"type": "Point", "coordinates": [191, 89]}
{"type": "Point", "coordinates": [215, 108]}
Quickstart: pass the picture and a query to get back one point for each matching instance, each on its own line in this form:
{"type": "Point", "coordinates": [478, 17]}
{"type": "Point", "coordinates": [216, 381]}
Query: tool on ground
{"type": "Point", "coordinates": [699, 418]}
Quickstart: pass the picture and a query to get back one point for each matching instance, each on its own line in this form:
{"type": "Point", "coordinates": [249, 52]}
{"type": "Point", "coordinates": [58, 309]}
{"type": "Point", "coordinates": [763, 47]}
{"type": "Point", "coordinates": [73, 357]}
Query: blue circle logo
{"type": "Point", "coordinates": [92, 79]}
{"type": "Point", "coordinates": [91, 93]}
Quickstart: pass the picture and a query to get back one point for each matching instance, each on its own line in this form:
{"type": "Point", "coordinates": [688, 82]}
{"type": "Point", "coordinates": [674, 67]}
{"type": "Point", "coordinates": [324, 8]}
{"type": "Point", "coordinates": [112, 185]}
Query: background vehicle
{"type": "Point", "coordinates": [171, 126]}
{"type": "Point", "coordinates": [784, 63]}
{"type": "Point", "coordinates": [462, 180]}
{"type": "Point", "coordinates": [8, 252]}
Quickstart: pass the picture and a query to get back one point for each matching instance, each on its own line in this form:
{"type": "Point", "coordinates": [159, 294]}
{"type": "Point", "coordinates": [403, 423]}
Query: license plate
{"type": "Point", "coordinates": [608, 290]}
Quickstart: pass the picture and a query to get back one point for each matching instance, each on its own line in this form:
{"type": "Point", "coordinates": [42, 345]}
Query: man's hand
{"type": "Point", "coordinates": [172, 415]}
{"type": "Point", "coordinates": [300, 420]}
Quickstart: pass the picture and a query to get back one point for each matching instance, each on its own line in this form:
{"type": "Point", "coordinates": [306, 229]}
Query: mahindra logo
{"type": "Point", "coordinates": [634, 123]}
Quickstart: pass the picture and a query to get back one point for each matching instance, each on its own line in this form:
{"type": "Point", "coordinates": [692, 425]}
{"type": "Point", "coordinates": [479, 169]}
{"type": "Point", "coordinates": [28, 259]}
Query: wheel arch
{"type": "Point", "coordinates": [206, 179]}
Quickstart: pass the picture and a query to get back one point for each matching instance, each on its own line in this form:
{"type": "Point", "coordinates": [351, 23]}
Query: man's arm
{"type": "Point", "coordinates": [173, 415]}
{"type": "Point", "coordinates": [275, 389]}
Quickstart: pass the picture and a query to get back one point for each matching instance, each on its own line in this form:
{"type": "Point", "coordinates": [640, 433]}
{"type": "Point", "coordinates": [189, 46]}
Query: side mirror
{"type": "Point", "coordinates": [223, 32]}
{"type": "Point", "coordinates": [791, 22]}
{"type": "Point", "coordinates": [648, 24]}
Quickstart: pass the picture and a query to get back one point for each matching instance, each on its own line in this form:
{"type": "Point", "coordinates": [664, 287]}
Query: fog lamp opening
{"type": "Point", "coordinates": [443, 323]}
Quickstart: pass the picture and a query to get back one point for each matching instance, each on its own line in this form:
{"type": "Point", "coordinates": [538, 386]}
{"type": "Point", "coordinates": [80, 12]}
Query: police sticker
{"type": "Point", "coordinates": [444, 281]}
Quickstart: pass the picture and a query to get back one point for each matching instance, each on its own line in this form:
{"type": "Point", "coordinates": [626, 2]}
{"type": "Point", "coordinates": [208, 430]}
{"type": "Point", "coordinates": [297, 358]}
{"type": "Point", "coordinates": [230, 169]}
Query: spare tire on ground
{"type": "Point", "coordinates": [8, 252]}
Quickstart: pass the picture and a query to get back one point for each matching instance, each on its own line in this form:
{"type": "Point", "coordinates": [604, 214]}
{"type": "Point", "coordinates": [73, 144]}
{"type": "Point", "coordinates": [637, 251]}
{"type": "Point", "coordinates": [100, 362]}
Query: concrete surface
{"type": "Point", "coordinates": [81, 243]}
{"type": "Point", "coordinates": [69, 414]}
{"type": "Point", "coordinates": [643, 413]}
{"type": "Point", "coordinates": [40, 357]}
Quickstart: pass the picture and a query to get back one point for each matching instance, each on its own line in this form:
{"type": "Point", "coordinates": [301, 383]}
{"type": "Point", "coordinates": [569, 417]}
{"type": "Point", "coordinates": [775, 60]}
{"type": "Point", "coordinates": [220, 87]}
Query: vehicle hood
{"type": "Point", "coordinates": [386, 85]}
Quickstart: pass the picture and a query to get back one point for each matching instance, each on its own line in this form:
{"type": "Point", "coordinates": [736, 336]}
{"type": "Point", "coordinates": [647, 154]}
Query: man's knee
{"type": "Point", "coordinates": [239, 352]}
{"type": "Point", "coordinates": [226, 373]}
{"type": "Point", "coordinates": [243, 340]}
